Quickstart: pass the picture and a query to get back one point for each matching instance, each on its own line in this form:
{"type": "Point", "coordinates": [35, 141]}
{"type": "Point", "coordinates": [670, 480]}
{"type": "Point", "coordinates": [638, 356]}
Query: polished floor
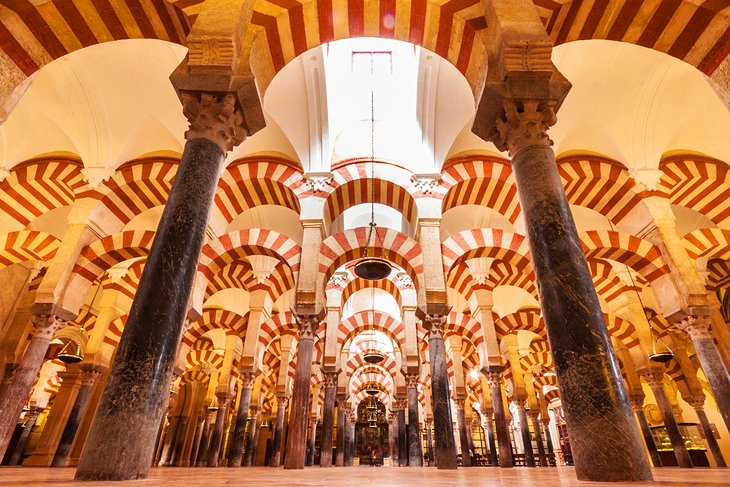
{"type": "Point", "coordinates": [362, 476]}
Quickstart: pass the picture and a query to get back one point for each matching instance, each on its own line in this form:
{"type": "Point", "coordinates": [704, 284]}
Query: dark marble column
{"type": "Point", "coordinates": [312, 441]}
{"type": "Point", "coordinates": [89, 376]}
{"type": "Point", "coordinates": [709, 434]}
{"type": "Point", "coordinates": [605, 440]}
{"type": "Point", "coordinates": [202, 456]}
{"type": "Point", "coordinates": [429, 440]}
{"type": "Point", "coordinates": [196, 442]}
{"type": "Point", "coordinates": [525, 432]}
{"type": "Point", "coordinates": [445, 450]}
{"type": "Point", "coordinates": [328, 419]}
{"type": "Point", "coordinates": [349, 437]}
{"type": "Point", "coordinates": [25, 374]}
{"type": "Point", "coordinates": [235, 456]}
{"type": "Point", "coordinates": [30, 418]}
{"type": "Point", "coordinates": [711, 361]}
{"type": "Point", "coordinates": [281, 403]}
{"type": "Point", "coordinates": [340, 447]}
{"type": "Point", "coordinates": [490, 441]}
{"type": "Point", "coordinates": [655, 381]}
{"type": "Point", "coordinates": [494, 378]}
{"type": "Point", "coordinates": [136, 392]}
{"type": "Point", "coordinates": [296, 441]}
{"type": "Point", "coordinates": [216, 437]}
{"type": "Point", "coordinates": [534, 418]}
{"type": "Point", "coordinates": [637, 405]}
{"type": "Point", "coordinates": [253, 431]}
{"type": "Point", "coordinates": [463, 432]}
{"type": "Point", "coordinates": [415, 452]}
{"type": "Point", "coordinates": [393, 436]}
{"type": "Point", "coordinates": [402, 434]}
{"type": "Point", "coordinates": [548, 439]}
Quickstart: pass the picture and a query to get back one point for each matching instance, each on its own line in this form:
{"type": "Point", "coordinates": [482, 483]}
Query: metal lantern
{"type": "Point", "coordinates": [372, 268]}
{"type": "Point", "coordinates": [71, 353]}
{"type": "Point", "coordinates": [374, 356]}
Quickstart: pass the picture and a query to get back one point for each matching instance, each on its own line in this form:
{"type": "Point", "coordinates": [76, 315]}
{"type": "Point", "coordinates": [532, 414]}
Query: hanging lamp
{"type": "Point", "coordinates": [73, 350]}
{"type": "Point", "coordinates": [372, 354]}
{"type": "Point", "coordinates": [371, 267]}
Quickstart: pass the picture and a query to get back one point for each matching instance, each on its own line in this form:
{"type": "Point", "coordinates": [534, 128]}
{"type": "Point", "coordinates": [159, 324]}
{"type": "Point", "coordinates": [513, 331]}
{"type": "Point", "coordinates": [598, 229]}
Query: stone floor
{"type": "Point", "coordinates": [361, 476]}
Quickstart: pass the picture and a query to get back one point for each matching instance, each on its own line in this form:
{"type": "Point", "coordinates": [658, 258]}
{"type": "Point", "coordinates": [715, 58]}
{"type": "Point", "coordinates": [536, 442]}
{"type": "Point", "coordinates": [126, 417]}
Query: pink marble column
{"type": "Point", "coordinates": [30, 419]}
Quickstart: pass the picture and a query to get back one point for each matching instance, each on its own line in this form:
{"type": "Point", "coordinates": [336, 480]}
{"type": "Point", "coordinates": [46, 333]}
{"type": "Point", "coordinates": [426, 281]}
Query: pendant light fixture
{"type": "Point", "coordinates": [372, 267]}
{"type": "Point", "coordinates": [73, 351]}
{"type": "Point", "coordinates": [372, 354]}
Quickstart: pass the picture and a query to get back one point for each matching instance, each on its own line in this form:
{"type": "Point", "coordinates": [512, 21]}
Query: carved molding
{"type": "Point", "coordinates": [524, 123]}
{"type": "Point", "coordinates": [435, 325]}
{"type": "Point", "coordinates": [411, 380]}
{"type": "Point", "coordinates": [426, 183]}
{"type": "Point", "coordinates": [247, 379]}
{"type": "Point", "coordinates": [696, 328]}
{"type": "Point", "coordinates": [527, 56]}
{"type": "Point", "coordinates": [45, 326]}
{"type": "Point", "coordinates": [319, 182]}
{"type": "Point", "coordinates": [211, 52]}
{"type": "Point", "coordinates": [214, 116]}
{"type": "Point", "coordinates": [307, 326]}
{"type": "Point", "coordinates": [330, 380]}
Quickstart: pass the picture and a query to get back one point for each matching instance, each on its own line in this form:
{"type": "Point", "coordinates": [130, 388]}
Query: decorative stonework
{"type": "Point", "coordinates": [404, 280]}
{"type": "Point", "coordinates": [411, 381]}
{"type": "Point", "coordinates": [96, 175]}
{"type": "Point", "coordinates": [213, 52]}
{"type": "Point", "coordinates": [247, 379]}
{"type": "Point", "coordinates": [530, 56]}
{"type": "Point", "coordinates": [494, 378]}
{"type": "Point", "coordinates": [89, 377]}
{"type": "Point", "coordinates": [214, 116]}
{"type": "Point", "coordinates": [338, 279]}
{"type": "Point", "coordinates": [696, 328]}
{"type": "Point", "coordinates": [45, 326]}
{"type": "Point", "coordinates": [648, 177]}
{"type": "Point", "coordinates": [426, 183]}
{"type": "Point", "coordinates": [435, 326]}
{"type": "Point", "coordinates": [307, 326]}
{"type": "Point", "coordinates": [459, 403]}
{"type": "Point", "coordinates": [524, 123]}
{"type": "Point", "coordinates": [319, 182]}
{"type": "Point", "coordinates": [282, 401]}
{"type": "Point", "coordinates": [330, 380]}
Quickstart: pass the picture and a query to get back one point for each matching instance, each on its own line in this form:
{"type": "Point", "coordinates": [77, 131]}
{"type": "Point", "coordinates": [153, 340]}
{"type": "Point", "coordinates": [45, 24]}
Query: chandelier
{"type": "Point", "coordinates": [372, 267]}
{"type": "Point", "coordinates": [372, 355]}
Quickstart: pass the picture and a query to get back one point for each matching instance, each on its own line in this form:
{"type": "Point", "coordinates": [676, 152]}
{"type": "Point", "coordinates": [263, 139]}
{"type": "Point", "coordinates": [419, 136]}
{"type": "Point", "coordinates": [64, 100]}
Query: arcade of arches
{"type": "Point", "coordinates": [187, 188]}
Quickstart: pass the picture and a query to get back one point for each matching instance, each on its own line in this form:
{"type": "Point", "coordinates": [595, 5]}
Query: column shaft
{"type": "Point", "coordinates": [328, 419]}
{"type": "Point", "coordinates": [538, 437]}
{"type": "Point", "coordinates": [525, 433]}
{"type": "Point", "coordinates": [393, 439]}
{"type": "Point", "coordinates": [710, 438]}
{"type": "Point", "coordinates": [202, 456]}
{"type": "Point", "coordinates": [340, 450]}
{"type": "Point", "coordinates": [196, 443]}
{"type": "Point", "coordinates": [500, 420]}
{"type": "Point", "coordinates": [670, 423]}
{"type": "Point", "coordinates": [88, 379]}
{"type": "Point", "coordinates": [235, 457]}
{"type": "Point", "coordinates": [493, 459]}
{"type": "Point", "coordinates": [415, 452]}
{"type": "Point", "coordinates": [648, 437]}
{"type": "Point", "coordinates": [312, 442]}
{"type": "Point", "coordinates": [32, 416]}
{"type": "Point", "coordinates": [275, 459]}
{"type": "Point", "coordinates": [463, 438]}
{"type": "Point", "coordinates": [402, 438]}
{"type": "Point", "coordinates": [296, 441]}
{"type": "Point", "coordinates": [253, 431]}
{"type": "Point", "coordinates": [136, 392]}
{"type": "Point", "coordinates": [216, 439]}
{"type": "Point", "coordinates": [604, 437]}
{"type": "Point", "coordinates": [429, 440]}
{"type": "Point", "coordinates": [445, 450]}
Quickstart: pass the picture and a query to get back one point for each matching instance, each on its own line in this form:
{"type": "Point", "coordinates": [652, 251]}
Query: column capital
{"type": "Point", "coordinates": [520, 403]}
{"type": "Point", "coordinates": [307, 324]}
{"type": "Point", "coordinates": [435, 324]}
{"type": "Point", "coordinates": [653, 377]}
{"type": "Point", "coordinates": [523, 123]}
{"type": "Point", "coordinates": [215, 116]}
{"type": "Point", "coordinates": [695, 327]}
{"type": "Point", "coordinates": [411, 380]}
{"type": "Point", "coordinates": [637, 401]}
{"type": "Point", "coordinates": [281, 401]}
{"type": "Point", "coordinates": [89, 376]}
{"type": "Point", "coordinates": [33, 413]}
{"type": "Point", "coordinates": [459, 402]}
{"type": "Point", "coordinates": [223, 399]}
{"type": "Point", "coordinates": [45, 326]}
{"type": "Point", "coordinates": [247, 379]}
{"type": "Point", "coordinates": [493, 375]}
{"type": "Point", "coordinates": [330, 380]}
{"type": "Point", "coordinates": [534, 414]}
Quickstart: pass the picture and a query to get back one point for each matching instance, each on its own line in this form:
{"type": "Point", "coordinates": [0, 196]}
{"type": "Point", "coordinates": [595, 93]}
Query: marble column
{"type": "Point", "coordinates": [655, 381]}
{"type": "Point", "coordinates": [24, 375]}
{"type": "Point", "coordinates": [445, 450]}
{"type": "Point", "coordinates": [493, 459]}
{"type": "Point", "coordinates": [393, 437]}
{"type": "Point", "coordinates": [605, 440]}
{"type": "Point", "coordinates": [637, 404]}
{"type": "Point", "coordinates": [296, 440]}
{"type": "Point", "coordinates": [328, 419]}
{"type": "Point", "coordinates": [494, 378]}
{"type": "Point", "coordinates": [235, 456]}
{"type": "Point", "coordinates": [711, 361]}
{"type": "Point", "coordinates": [463, 432]}
{"type": "Point", "coordinates": [248, 458]}
{"type": "Point", "coordinates": [201, 459]}
{"type": "Point", "coordinates": [349, 437]}
{"type": "Point", "coordinates": [136, 392]}
{"type": "Point", "coordinates": [30, 418]}
{"type": "Point", "coordinates": [548, 439]}
{"type": "Point", "coordinates": [281, 403]}
{"type": "Point", "coordinates": [415, 452]}
{"type": "Point", "coordinates": [429, 440]}
{"type": "Point", "coordinates": [534, 418]}
{"type": "Point", "coordinates": [312, 440]}
{"type": "Point", "coordinates": [340, 447]}
{"type": "Point", "coordinates": [198, 435]}
{"type": "Point", "coordinates": [525, 432]}
{"type": "Point", "coordinates": [89, 376]}
{"type": "Point", "coordinates": [216, 437]}
{"type": "Point", "coordinates": [712, 444]}
{"type": "Point", "coordinates": [402, 434]}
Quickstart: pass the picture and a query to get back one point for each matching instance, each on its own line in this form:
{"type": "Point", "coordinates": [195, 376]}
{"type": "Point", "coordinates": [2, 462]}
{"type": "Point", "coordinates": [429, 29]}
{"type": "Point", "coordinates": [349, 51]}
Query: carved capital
{"type": "Point", "coordinates": [696, 328]}
{"type": "Point", "coordinates": [89, 376]}
{"type": "Point", "coordinates": [459, 402]}
{"type": "Point", "coordinates": [214, 116]}
{"type": "Point", "coordinates": [654, 378]}
{"type": "Point", "coordinates": [426, 183]}
{"type": "Point", "coordinates": [282, 401]}
{"type": "Point", "coordinates": [494, 378]}
{"type": "Point", "coordinates": [520, 403]}
{"type": "Point", "coordinates": [401, 403]}
{"type": "Point", "coordinates": [330, 380]}
{"type": "Point", "coordinates": [411, 381]}
{"type": "Point", "coordinates": [523, 123]}
{"type": "Point", "coordinates": [319, 182]}
{"type": "Point", "coordinates": [307, 325]}
{"type": "Point", "coordinates": [636, 401]}
{"type": "Point", "coordinates": [435, 325]}
{"type": "Point", "coordinates": [32, 414]}
{"type": "Point", "coordinates": [45, 326]}
{"type": "Point", "coordinates": [247, 379]}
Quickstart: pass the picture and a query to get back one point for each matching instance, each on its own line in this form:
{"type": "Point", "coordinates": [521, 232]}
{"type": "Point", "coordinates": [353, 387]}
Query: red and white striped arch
{"type": "Point", "coordinates": [214, 319]}
{"type": "Point", "coordinates": [342, 247]}
{"type": "Point", "coordinates": [135, 187]}
{"type": "Point", "coordinates": [371, 320]}
{"type": "Point", "coordinates": [480, 180]}
{"type": "Point", "coordinates": [358, 284]}
{"type": "Point", "coordinates": [114, 332]}
{"type": "Point", "coordinates": [528, 320]}
{"type": "Point", "coordinates": [539, 355]}
{"type": "Point", "coordinates": [501, 273]}
{"type": "Point", "coordinates": [102, 254]}
{"type": "Point", "coordinates": [608, 285]}
{"type": "Point", "coordinates": [718, 274]}
{"type": "Point", "coordinates": [26, 245]}
{"type": "Point", "coordinates": [37, 186]}
{"type": "Point", "coordinates": [450, 29]}
{"type": "Point", "coordinates": [256, 181]}
{"type": "Point", "coordinates": [712, 243]}
{"type": "Point", "coordinates": [358, 190]}
{"type": "Point", "coordinates": [622, 330]}
{"type": "Point", "coordinates": [466, 327]}
{"type": "Point", "coordinates": [127, 285]}
{"type": "Point", "coordinates": [279, 324]}
{"type": "Point", "coordinates": [699, 183]}
{"type": "Point", "coordinates": [486, 242]}
{"type": "Point", "coordinates": [601, 184]}
{"type": "Point", "coordinates": [239, 275]}
{"type": "Point", "coordinates": [641, 255]}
